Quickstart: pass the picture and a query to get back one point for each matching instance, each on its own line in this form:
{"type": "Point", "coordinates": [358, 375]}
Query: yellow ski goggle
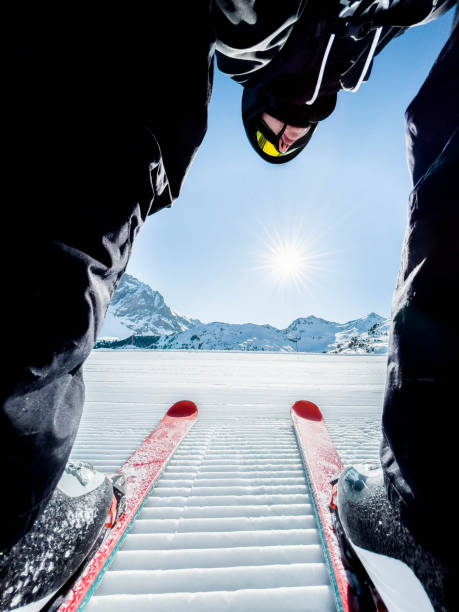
{"type": "Point", "coordinates": [267, 147]}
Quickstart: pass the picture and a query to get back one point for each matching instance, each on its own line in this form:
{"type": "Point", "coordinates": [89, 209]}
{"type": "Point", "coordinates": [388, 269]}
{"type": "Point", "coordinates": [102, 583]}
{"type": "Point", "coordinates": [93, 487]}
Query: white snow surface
{"type": "Point", "coordinates": [229, 526]}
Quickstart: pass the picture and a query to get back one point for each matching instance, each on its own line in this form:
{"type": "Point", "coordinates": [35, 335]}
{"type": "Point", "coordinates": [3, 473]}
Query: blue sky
{"type": "Point", "coordinates": [343, 200]}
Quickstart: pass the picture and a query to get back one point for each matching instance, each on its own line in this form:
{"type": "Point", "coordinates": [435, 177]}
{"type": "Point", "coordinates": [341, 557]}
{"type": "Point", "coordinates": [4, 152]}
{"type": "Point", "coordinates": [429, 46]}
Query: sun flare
{"type": "Point", "coordinates": [291, 258]}
{"type": "Point", "coordinates": [288, 261]}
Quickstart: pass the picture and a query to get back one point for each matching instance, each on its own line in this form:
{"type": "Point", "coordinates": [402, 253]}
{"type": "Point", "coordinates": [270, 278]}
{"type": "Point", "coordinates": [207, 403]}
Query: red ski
{"type": "Point", "coordinates": [141, 471]}
{"type": "Point", "coordinates": [322, 466]}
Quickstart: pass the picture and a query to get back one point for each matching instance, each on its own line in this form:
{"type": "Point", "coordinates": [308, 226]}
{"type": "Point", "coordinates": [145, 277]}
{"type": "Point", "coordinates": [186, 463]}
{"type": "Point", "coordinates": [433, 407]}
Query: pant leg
{"type": "Point", "coordinates": [420, 416]}
{"type": "Point", "coordinates": [81, 169]}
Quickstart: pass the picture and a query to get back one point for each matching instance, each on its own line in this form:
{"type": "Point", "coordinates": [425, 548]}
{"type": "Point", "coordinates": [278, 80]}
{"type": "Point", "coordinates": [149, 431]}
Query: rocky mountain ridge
{"type": "Point", "coordinates": [137, 308]}
{"type": "Point", "coordinates": [139, 317]}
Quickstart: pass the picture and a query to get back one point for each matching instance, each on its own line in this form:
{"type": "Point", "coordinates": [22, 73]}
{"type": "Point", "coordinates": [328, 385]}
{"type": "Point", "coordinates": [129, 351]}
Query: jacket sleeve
{"type": "Point", "coordinates": [251, 33]}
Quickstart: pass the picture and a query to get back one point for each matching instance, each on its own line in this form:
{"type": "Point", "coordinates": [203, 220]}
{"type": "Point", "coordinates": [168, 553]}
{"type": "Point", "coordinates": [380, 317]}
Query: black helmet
{"type": "Point", "coordinates": [256, 101]}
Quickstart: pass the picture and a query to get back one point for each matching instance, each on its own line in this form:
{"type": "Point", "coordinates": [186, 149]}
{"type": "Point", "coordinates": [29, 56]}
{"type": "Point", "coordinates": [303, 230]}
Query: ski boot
{"type": "Point", "coordinates": [407, 576]}
{"type": "Point", "coordinates": [38, 571]}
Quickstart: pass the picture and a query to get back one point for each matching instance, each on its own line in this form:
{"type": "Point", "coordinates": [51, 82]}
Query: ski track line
{"type": "Point", "coordinates": [229, 525]}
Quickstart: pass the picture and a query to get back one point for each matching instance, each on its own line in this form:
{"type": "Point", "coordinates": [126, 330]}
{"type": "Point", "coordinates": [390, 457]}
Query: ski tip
{"type": "Point", "coordinates": [183, 408]}
{"type": "Point", "coordinates": [307, 410]}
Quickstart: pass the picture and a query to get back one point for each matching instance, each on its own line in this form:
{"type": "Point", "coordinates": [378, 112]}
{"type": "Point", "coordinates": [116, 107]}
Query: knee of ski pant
{"type": "Point", "coordinates": [65, 303]}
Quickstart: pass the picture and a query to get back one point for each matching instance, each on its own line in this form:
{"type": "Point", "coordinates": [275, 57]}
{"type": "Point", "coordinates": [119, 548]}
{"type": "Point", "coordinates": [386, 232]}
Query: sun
{"type": "Point", "coordinates": [290, 258]}
{"type": "Point", "coordinates": [288, 261]}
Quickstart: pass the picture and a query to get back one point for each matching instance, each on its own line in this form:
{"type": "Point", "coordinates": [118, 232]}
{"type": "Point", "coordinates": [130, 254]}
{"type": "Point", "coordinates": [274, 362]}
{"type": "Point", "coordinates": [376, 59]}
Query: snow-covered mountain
{"type": "Point", "coordinates": [310, 334]}
{"type": "Point", "coordinates": [137, 308]}
{"type": "Point", "coordinates": [366, 335]}
{"type": "Point", "coordinates": [227, 336]}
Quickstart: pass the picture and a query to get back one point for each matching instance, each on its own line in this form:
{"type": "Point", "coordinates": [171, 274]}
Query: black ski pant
{"type": "Point", "coordinates": [100, 117]}
{"type": "Point", "coordinates": [421, 410]}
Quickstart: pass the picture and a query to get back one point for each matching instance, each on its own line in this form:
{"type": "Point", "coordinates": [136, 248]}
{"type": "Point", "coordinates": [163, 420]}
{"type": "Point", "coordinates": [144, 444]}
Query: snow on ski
{"type": "Point", "coordinates": [141, 472]}
{"type": "Point", "coordinates": [322, 465]}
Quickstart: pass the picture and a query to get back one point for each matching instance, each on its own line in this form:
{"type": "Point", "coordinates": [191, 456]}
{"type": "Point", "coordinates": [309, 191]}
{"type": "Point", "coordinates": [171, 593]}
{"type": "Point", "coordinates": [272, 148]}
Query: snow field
{"type": "Point", "coordinates": [229, 524]}
{"type": "Point", "coordinates": [194, 570]}
{"type": "Point", "coordinates": [293, 599]}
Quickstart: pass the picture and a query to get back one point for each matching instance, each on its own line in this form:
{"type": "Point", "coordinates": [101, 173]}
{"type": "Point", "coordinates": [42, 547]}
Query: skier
{"type": "Point", "coordinates": [100, 123]}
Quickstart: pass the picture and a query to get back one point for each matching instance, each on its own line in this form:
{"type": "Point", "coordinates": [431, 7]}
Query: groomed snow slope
{"type": "Point", "coordinates": [229, 525]}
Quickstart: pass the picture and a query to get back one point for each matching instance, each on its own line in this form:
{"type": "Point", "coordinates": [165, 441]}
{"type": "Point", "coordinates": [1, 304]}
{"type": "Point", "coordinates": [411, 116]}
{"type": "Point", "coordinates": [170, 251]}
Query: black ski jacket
{"type": "Point", "coordinates": [311, 49]}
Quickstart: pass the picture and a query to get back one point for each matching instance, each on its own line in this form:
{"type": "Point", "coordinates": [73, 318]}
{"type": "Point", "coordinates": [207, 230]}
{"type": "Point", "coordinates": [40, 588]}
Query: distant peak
{"type": "Point", "coordinates": [374, 315]}
{"type": "Point", "coordinates": [308, 319]}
